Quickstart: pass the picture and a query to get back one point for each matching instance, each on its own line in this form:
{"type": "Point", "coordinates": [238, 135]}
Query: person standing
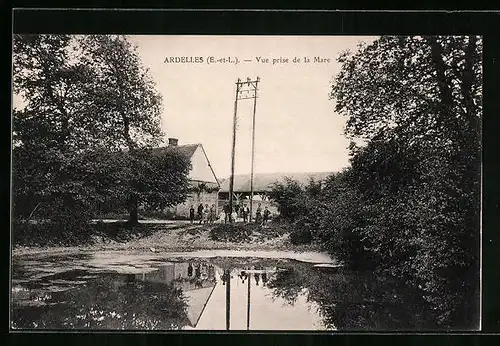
{"type": "Point", "coordinates": [206, 213]}
{"type": "Point", "coordinates": [200, 213]}
{"type": "Point", "coordinates": [266, 215]}
{"type": "Point", "coordinates": [212, 214]}
{"type": "Point", "coordinates": [226, 213]}
{"type": "Point", "coordinates": [245, 213]}
{"type": "Point", "coordinates": [211, 272]}
{"type": "Point", "coordinates": [258, 214]}
{"type": "Point", "coordinates": [221, 217]}
{"type": "Point", "coordinates": [236, 209]}
{"type": "Point", "coordinates": [191, 214]}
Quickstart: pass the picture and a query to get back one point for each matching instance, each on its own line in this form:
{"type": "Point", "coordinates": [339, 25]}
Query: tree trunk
{"type": "Point", "coordinates": [467, 83]}
{"type": "Point", "coordinates": [445, 119]}
{"type": "Point", "coordinates": [133, 209]}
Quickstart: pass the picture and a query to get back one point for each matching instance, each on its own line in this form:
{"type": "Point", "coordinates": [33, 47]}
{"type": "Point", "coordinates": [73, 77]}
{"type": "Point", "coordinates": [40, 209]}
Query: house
{"type": "Point", "coordinates": [262, 184]}
{"type": "Point", "coordinates": [204, 185]}
{"type": "Point", "coordinates": [197, 290]}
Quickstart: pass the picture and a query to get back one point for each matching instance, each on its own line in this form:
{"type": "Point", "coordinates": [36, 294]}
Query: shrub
{"type": "Point", "coordinates": [236, 233]}
{"type": "Point", "coordinates": [302, 236]}
{"type": "Point", "coordinates": [55, 233]}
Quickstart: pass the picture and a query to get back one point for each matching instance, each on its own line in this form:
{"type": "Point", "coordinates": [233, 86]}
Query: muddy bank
{"type": "Point", "coordinates": [120, 258]}
{"type": "Point", "coordinates": [179, 237]}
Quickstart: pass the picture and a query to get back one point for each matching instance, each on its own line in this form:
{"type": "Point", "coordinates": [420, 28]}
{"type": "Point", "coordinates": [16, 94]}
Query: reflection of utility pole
{"type": "Point", "coordinates": [242, 94]}
{"type": "Point", "coordinates": [227, 274]}
{"type": "Point", "coordinates": [248, 302]}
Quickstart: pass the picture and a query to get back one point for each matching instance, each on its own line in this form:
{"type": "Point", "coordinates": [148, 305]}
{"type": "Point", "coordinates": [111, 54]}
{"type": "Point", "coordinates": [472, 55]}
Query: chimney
{"type": "Point", "coordinates": [172, 142]}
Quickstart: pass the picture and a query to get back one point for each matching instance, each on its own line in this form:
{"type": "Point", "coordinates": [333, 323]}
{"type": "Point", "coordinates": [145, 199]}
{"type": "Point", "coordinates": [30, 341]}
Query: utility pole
{"type": "Point", "coordinates": [253, 148]}
{"type": "Point", "coordinates": [241, 94]}
{"type": "Point", "coordinates": [231, 181]}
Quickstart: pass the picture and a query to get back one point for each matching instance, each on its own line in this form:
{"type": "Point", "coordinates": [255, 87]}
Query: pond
{"type": "Point", "coordinates": [120, 291]}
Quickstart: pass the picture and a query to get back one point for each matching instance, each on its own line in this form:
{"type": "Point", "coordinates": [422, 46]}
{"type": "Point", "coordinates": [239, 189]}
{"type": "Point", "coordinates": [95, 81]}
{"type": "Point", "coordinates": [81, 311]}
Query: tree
{"type": "Point", "coordinates": [153, 180]}
{"type": "Point", "coordinates": [52, 130]}
{"type": "Point", "coordinates": [289, 196]}
{"type": "Point", "coordinates": [123, 91]}
{"type": "Point", "coordinates": [299, 205]}
{"type": "Point", "coordinates": [90, 114]}
{"type": "Point", "coordinates": [416, 104]}
{"type": "Point", "coordinates": [125, 94]}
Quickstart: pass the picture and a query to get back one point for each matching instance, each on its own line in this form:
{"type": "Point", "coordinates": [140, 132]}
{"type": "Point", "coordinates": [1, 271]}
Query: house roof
{"type": "Point", "coordinates": [187, 150]}
{"type": "Point", "coordinates": [198, 299]}
{"type": "Point", "coordinates": [262, 181]}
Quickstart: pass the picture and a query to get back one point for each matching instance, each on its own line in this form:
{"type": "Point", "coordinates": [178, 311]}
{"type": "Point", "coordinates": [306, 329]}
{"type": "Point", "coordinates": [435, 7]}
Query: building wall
{"type": "Point", "coordinates": [200, 172]}
{"type": "Point", "coordinates": [200, 169]}
{"type": "Point", "coordinates": [182, 210]}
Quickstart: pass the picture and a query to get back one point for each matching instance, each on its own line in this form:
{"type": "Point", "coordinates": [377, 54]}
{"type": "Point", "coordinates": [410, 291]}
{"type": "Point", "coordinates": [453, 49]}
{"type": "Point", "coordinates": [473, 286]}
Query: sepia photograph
{"type": "Point", "coordinates": [246, 183]}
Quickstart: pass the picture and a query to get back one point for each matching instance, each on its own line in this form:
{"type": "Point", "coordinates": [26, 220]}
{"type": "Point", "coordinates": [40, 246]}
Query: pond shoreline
{"type": "Point", "coordinates": [306, 256]}
{"type": "Point", "coordinates": [185, 239]}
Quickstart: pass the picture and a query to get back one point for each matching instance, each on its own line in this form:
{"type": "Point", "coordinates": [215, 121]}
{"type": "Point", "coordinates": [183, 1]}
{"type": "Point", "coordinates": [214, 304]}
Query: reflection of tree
{"type": "Point", "coordinates": [286, 285]}
{"type": "Point", "coordinates": [109, 304]}
{"type": "Point", "coordinates": [352, 300]}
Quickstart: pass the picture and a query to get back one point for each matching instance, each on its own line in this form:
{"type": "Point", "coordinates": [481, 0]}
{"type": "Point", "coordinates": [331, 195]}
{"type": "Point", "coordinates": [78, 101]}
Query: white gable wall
{"type": "Point", "coordinates": [200, 169]}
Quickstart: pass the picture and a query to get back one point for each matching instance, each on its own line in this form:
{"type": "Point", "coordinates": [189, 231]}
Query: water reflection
{"type": "Point", "coordinates": [350, 300]}
{"type": "Point", "coordinates": [218, 293]}
{"type": "Point", "coordinates": [108, 302]}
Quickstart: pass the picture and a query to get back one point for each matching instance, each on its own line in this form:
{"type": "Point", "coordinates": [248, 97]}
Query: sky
{"type": "Point", "coordinates": [296, 127]}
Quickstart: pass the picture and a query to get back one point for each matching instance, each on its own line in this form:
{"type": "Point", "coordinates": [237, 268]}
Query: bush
{"type": "Point", "coordinates": [290, 199]}
{"type": "Point", "coordinates": [55, 233]}
{"type": "Point", "coordinates": [235, 233]}
{"type": "Point", "coordinates": [303, 236]}
{"type": "Point", "coordinates": [44, 233]}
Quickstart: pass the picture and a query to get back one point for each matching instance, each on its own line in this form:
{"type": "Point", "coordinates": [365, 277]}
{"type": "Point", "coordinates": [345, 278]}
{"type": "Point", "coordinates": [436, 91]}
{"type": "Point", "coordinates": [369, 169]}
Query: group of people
{"type": "Point", "coordinates": [242, 211]}
{"type": "Point", "coordinates": [201, 270]}
{"type": "Point", "coordinates": [244, 275]}
{"type": "Point", "coordinates": [205, 213]}
{"type": "Point", "coordinates": [262, 217]}
{"type": "Point", "coordinates": [208, 214]}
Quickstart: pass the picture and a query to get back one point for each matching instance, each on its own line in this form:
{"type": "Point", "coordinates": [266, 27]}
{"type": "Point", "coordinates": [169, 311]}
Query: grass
{"type": "Point", "coordinates": [245, 232]}
{"type": "Point", "coordinates": [52, 234]}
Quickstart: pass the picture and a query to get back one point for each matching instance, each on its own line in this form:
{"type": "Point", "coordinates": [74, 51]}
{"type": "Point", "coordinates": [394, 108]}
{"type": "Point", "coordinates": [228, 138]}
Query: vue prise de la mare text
{"type": "Point", "coordinates": [279, 60]}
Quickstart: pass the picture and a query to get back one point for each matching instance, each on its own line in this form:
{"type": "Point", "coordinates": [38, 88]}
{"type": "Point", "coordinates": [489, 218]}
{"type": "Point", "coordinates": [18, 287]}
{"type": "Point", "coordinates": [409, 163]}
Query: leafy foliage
{"type": "Point", "coordinates": [122, 91]}
{"type": "Point", "coordinates": [303, 236]}
{"type": "Point", "coordinates": [298, 204]}
{"type": "Point", "coordinates": [82, 137]}
{"type": "Point", "coordinates": [77, 232]}
{"type": "Point", "coordinates": [419, 112]}
{"type": "Point", "coordinates": [236, 233]}
{"type": "Point", "coordinates": [409, 204]}
{"type": "Point", "coordinates": [109, 302]}
{"type": "Point", "coordinates": [353, 300]}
